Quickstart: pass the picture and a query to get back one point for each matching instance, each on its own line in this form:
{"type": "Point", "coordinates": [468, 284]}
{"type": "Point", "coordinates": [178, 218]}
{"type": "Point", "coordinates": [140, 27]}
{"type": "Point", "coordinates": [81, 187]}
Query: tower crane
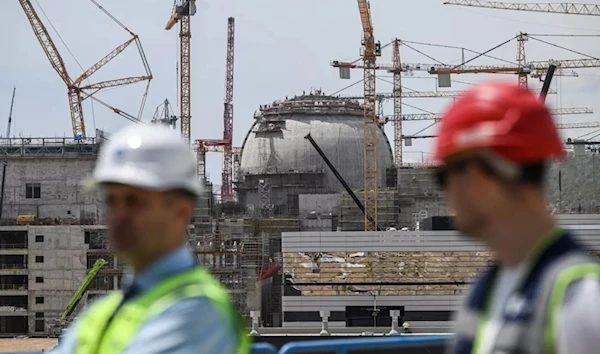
{"type": "Point", "coordinates": [580, 125]}
{"type": "Point", "coordinates": [370, 51]}
{"type": "Point", "coordinates": [420, 94]}
{"type": "Point", "coordinates": [397, 94]}
{"type": "Point", "coordinates": [226, 144]}
{"type": "Point", "coordinates": [437, 116]}
{"type": "Point", "coordinates": [556, 8]}
{"type": "Point", "coordinates": [227, 174]}
{"type": "Point", "coordinates": [182, 11]}
{"type": "Point", "coordinates": [164, 115]}
{"type": "Point", "coordinates": [527, 68]}
{"type": "Point", "coordinates": [75, 89]}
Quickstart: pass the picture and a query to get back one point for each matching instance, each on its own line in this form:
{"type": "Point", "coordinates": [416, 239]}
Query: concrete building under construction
{"type": "Point", "coordinates": [52, 230]}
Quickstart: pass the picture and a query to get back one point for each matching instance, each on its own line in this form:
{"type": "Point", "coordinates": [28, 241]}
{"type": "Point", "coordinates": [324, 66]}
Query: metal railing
{"type": "Point", "coordinates": [13, 245]}
{"type": "Point", "coordinates": [22, 266]}
{"type": "Point", "coordinates": [263, 348]}
{"type": "Point", "coordinates": [13, 286]}
{"type": "Point", "coordinates": [342, 346]}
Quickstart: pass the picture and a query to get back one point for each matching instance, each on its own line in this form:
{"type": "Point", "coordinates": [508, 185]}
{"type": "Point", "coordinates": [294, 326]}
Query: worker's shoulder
{"type": "Point", "coordinates": [576, 266]}
{"type": "Point", "coordinates": [587, 268]}
{"type": "Point", "coordinates": [196, 311]}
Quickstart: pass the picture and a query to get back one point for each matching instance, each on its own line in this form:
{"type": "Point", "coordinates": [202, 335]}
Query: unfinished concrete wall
{"type": "Point", "coordinates": [57, 266]}
{"type": "Point", "coordinates": [320, 204]}
{"type": "Point", "coordinates": [61, 194]}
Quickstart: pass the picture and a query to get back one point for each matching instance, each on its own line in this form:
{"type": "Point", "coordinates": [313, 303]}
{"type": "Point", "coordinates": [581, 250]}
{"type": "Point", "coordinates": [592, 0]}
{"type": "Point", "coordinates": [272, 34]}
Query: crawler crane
{"type": "Point", "coordinates": [76, 90]}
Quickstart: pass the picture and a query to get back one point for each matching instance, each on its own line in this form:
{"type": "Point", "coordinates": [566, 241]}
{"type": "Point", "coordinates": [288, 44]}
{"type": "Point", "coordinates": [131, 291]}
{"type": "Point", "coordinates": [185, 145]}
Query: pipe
{"type": "Point", "coordinates": [337, 174]}
{"type": "Point", "coordinates": [547, 80]}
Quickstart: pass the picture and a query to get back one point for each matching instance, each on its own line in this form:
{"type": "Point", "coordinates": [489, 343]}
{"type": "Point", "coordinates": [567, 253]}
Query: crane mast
{"type": "Point", "coordinates": [370, 52]}
{"type": "Point", "coordinates": [224, 145]}
{"type": "Point", "coordinates": [397, 94]}
{"type": "Point", "coordinates": [227, 174]}
{"type": "Point", "coordinates": [521, 59]}
{"type": "Point", "coordinates": [185, 113]}
{"type": "Point", "coordinates": [182, 14]}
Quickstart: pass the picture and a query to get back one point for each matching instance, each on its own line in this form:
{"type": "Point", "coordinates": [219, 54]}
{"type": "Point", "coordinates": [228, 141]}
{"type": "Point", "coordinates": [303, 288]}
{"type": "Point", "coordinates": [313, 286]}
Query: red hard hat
{"type": "Point", "coordinates": [508, 119]}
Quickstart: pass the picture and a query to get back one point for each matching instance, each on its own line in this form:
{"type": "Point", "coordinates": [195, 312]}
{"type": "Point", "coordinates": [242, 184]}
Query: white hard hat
{"type": "Point", "coordinates": [147, 156]}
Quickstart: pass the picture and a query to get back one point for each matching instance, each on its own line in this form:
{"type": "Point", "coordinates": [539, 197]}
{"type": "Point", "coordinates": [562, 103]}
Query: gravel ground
{"type": "Point", "coordinates": [27, 344]}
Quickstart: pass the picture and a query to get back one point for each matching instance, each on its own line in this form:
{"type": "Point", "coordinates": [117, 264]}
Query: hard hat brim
{"type": "Point", "coordinates": [135, 177]}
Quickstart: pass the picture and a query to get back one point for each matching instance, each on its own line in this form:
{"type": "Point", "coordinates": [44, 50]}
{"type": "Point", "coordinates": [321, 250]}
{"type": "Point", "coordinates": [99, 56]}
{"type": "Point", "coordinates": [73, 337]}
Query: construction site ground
{"type": "Point", "coordinates": [26, 344]}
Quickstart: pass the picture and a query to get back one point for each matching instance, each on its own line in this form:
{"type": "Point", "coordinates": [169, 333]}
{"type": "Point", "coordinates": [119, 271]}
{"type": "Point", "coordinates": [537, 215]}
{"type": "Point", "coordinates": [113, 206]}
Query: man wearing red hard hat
{"type": "Point", "coordinates": [543, 293]}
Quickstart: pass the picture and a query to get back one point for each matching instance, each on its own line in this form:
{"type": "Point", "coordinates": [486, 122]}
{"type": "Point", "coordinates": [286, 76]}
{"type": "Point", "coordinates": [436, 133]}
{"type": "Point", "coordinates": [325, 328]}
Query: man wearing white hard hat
{"type": "Point", "coordinates": [170, 305]}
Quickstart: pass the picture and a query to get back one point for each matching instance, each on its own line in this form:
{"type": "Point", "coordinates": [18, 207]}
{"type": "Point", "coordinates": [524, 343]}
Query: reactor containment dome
{"type": "Point", "coordinates": [278, 163]}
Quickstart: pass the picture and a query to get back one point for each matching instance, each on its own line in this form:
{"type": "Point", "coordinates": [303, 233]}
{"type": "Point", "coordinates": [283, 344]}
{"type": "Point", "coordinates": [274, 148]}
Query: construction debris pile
{"type": "Point", "coordinates": [427, 268]}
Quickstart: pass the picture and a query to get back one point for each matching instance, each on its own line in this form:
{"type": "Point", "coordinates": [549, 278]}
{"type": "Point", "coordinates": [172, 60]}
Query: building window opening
{"type": "Point", "coordinates": [14, 239]}
{"type": "Point", "coordinates": [19, 302]}
{"type": "Point", "coordinates": [40, 324]}
{"type": "Point", "coordinates": [39, 259]}
{"type": "Point", "coordinates": [39, 299]}
{"type": "Point", "coordinates": [33, 190]}
{"type": "Point", "coordinates": [13, 261]}
{"type": "Point", "coordinates": [13, 282]}
{"type": "Point", "coordinates": [39, 238]}
{"type": "Point", "coordinates": [14, 325]}
{"type": "Point", "coordinates": [39, 279]}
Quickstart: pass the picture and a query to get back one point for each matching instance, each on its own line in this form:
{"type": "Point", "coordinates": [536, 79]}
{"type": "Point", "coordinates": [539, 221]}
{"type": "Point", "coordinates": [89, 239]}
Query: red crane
{"type": "Point", "coordinates": [226, 144]}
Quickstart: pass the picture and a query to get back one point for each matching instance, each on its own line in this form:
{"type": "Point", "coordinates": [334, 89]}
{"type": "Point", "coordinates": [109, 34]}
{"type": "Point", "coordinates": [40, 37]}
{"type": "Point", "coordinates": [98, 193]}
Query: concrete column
{"type": "Point", "coordinates": [395, 314]}
{"type": "Point", "coordinates": [325, 323]}
{"type": "Point", "coordinates": [255, 315]}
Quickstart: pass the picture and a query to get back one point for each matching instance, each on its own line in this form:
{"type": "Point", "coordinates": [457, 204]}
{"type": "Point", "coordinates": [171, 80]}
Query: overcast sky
{"type": "Point", "coordinates": [282, 47]}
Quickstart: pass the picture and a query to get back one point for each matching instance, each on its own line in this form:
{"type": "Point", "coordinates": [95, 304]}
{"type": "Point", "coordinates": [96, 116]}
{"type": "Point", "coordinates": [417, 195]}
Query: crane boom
{"type": "Point", "coordinates": [5, 161]}
{"type": "Point", "coordinates": [87, 281]}
{"type": "Point", "coordinates": [529, 66]}
{"type": "Point", "coordinates": [580, 125]}
{"type": "Point", "coordinates": [41, 33]}
{"type": "Point", "coordinates": [421, 94]}
{"type": "Point", "coordinates": [75, 91]}
{"type": "Point", "coordinates": [556, 8]}
{"type": "Point", "coordinates": [110, 56]}
{"type": "Point", "coordinates": [57, 62]}
{"type": "Point", "coordinates": [438, 116]}
{"type": "Point", "coordinates": [370, 118]}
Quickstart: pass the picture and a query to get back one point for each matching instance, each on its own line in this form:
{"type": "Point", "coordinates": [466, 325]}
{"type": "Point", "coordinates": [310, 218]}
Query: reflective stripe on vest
{"type": "Point", "coordinates": [102, 331]}
{"type": "Point", "coordinates": [530, 312]}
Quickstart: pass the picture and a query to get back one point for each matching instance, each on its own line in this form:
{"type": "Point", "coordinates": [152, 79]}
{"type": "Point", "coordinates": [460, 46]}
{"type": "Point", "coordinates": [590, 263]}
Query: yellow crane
{"type": "Point", "coordinates": [555, 8]}
{"type": "Point", "coordinates": [182, 10]}
{"type": "Point", "coordinates": [370, 51]}
{"type": "Point", "coordinates": [527, 68]}
{"type": "Point", "coordinates": [397, 68]}
{"type": "Point", "coordinates": [75, 89]}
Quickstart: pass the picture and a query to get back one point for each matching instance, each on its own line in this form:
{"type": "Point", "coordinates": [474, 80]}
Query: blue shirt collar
{"type": "Point", "coordinates": [177, 261]}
